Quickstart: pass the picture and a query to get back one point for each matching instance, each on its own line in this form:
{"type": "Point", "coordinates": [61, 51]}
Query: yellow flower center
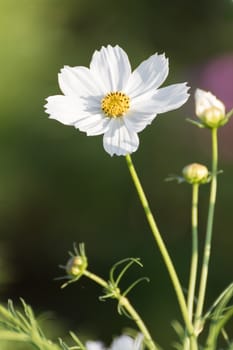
{"type": "Point", "coordinates": [115, 104]}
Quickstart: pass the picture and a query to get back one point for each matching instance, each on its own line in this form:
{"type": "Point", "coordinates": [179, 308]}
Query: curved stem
{"type": "Point", "coordinates": [124, 302]}
{"type": "Point", "coordinates": [209, 229]}
{"type": "Point", "coordinates": [194, 260]}
{"type": "Point", "coordinates": [137, 319]}
{"type": "Point", "coordinates": [96, 279]}
{"type": "Point", "coordinates": [163, 249]}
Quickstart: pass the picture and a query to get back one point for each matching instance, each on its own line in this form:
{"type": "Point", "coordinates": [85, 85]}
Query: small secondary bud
{"type": "Point", "coordinates": [76, 265]}
{"type": "Point", "coordinates": [196, 173]}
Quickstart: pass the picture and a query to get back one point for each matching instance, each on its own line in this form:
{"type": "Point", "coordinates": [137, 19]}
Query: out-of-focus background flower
{"type": "Point", "coordinates": [58, 186]}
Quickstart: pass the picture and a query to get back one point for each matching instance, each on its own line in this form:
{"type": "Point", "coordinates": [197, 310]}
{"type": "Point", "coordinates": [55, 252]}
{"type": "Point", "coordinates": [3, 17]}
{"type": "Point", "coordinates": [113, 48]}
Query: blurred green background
{"type": "Point", "coordinates": [58, 186]}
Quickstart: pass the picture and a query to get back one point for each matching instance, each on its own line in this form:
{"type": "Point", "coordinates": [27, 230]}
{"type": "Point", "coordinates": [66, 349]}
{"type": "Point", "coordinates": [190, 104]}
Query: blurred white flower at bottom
{"type": "Point", "coordinates": [124, 342]}
{"type": "Point", "coordinates": [94, 345]}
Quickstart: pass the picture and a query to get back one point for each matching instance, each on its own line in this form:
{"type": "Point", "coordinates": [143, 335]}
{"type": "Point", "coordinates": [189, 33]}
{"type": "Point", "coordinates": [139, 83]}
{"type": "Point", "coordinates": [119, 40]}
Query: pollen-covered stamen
{"type": "Point", "coordinates": [115, 104]}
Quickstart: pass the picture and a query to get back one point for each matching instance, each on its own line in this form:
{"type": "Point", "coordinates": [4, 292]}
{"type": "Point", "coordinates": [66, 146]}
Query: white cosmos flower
{"type": "Point", "coordinates": [94, 345]}
{"type": "Point", "coordinates": [127, 343]}
{"type": "Point", "coordinates": [108, 98]}
{"type": "Point", "coordinates": [123, 342]}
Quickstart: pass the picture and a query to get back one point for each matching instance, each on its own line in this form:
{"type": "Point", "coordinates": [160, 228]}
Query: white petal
{"type": "Point", "coordinates": [65, 109]}
{"type": "Point", "coordinates": [137, 121]}
{"type": "Point", "coordinates": [138, 342]}
{"type": "Point", "coordinates": [119, 139]}
{"type": "Point", "coordinates": [123, 343]}
{"type": "Point", "coordinates": [94, 345]}
{"type": "Point", "coordinates": [78, 81]}
{"type": "Point", "coordinates": [111, 66]}
{"type": "Point", "coordinates": [148, 76]}
{"type": "Point", "coordinates": [205, 100]}
{"type": "Point", "coordinates": [164, 100]}
{"type": "Point", "coordinates": [94, 124]}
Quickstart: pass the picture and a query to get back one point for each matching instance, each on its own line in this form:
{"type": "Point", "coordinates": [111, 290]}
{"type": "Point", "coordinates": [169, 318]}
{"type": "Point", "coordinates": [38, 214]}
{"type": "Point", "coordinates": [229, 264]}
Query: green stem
{"type": "Point", "coordinates": [163, 251]}
{"type": "Point", "coordinates": [214, 332]}
{"type": "Point", "coordinates": [194, 260]}
{"type": "Point", "coordinates": [124, 302]}
{"type": "Point", "coordinates": [96, 279]}
{"type": "Point", "coordinates": [209, 230]}
{"type": "Point", "coordinates": [135, 316]}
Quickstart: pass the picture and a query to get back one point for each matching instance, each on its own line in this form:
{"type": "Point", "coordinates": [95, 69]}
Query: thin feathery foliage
{"type": "Point", "coordinates": [22, 327]}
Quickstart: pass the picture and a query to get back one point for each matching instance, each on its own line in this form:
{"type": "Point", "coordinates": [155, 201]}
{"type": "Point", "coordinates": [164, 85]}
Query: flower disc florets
{"type": "Point", "coordinates": [115, 104]}
{"type": "Point", "coordinates": [196, 173]}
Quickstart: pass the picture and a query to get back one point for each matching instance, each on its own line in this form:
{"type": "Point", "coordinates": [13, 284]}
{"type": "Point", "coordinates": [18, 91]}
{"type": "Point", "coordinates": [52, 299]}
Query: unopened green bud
{"type": "Point", "coordinates": [196, 173]}
{"type": "Point", "coordinates": [76, 265]}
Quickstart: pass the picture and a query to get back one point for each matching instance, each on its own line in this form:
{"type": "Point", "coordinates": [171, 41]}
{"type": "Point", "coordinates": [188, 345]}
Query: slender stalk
{"type": "Point", "coordinates": [163, 251]}
{"type": "Point", "coordinates": [209, 229]}
{"type": "Point", "coordinates": [194, 259]}
{"type": "Point", "coordinates": [214, 331]}
{"type": "Point", "coordinates": [137, 319]}
{"type": "Point", "coordinates": [124, 302]}
{"type": "Point", "coordinates": [96, 279]}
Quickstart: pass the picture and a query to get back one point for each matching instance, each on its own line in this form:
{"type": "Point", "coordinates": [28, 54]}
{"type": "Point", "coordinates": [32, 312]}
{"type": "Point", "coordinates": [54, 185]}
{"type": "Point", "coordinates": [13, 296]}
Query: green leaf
{"type": "Point", "coordinates": [63, 345]}
{"type": "Point", "coordinates": [219, 315]}
{"type": "Point", "coordinates": [23, 327]}
{"type": "Point", "coordinates": [194, 122]}
{"type": "Point", "coordinates": [77, 341]}
{"type": "Point", "coordinates": [13, 336]}
{"type": "Point", "coordinates": [229, 114]}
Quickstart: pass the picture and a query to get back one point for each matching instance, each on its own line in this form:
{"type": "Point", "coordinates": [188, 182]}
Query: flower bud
{"type": "Point", "coordinates": [76, 265]}
{"type": "Point", "coordinates": [196, 173]}
{"type": "Point", "coordinates": [209, 109]}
